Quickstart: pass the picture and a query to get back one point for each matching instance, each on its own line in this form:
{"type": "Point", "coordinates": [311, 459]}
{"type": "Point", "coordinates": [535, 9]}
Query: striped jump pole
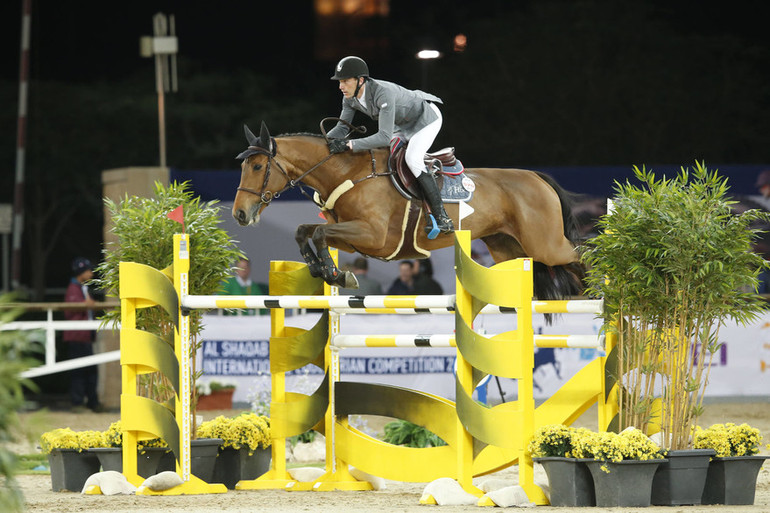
{"type": "Point", "coordinates": [572, 306]}
{"type": "Point", "coordinates": [551, 341]}
{"type": "Point", "coordinates": [320, 302]}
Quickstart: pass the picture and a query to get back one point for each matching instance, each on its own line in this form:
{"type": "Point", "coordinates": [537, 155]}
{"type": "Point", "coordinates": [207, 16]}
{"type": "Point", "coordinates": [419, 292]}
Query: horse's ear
{"type": "Point", "coordinates": [264, 137]}
{"type": "Point", "coordinates": [250, 137]}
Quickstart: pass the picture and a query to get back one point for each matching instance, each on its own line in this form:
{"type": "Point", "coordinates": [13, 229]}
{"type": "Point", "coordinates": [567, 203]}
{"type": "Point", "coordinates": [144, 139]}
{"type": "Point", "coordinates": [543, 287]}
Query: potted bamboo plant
{"type": "Point", "coordinates": [673, 263]}
{"type": "Point", "coordinates": [145, 235]}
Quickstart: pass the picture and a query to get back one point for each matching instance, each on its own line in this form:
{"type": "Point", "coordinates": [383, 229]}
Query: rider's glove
{"type": "Point", "coordinates": [338, 146]}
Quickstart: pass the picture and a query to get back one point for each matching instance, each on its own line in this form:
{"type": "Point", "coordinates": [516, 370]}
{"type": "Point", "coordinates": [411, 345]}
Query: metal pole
{"type": "Point", "coordinates": [160, 29]}
{"type": "Point", "coordinates": [18, 199]}
{"type": "Point", "coordinates": [161, 113]}
{"type": "Point", "coordinates": [5, 263]}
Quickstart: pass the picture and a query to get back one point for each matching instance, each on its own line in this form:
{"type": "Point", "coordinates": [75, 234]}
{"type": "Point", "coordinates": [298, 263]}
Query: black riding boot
{"type": "Point", "coordinates": [433, 197]}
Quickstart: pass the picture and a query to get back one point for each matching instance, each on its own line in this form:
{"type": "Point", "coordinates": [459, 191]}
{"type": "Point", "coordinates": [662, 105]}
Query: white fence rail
{"type": "Point", "coordinates": [50, 326]}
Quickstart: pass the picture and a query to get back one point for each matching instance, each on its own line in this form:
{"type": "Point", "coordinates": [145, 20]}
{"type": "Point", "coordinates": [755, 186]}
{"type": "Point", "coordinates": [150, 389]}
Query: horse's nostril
{"type": "Point", "coordinates": [240, 215]}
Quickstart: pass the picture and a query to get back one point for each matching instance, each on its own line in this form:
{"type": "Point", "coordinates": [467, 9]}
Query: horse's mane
{"type": "Point", "coordinates": [302, 134]}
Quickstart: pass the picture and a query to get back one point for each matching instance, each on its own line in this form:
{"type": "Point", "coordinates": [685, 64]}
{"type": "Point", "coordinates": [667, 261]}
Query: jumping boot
{"type": "Point", "coordinates": [439, 221]}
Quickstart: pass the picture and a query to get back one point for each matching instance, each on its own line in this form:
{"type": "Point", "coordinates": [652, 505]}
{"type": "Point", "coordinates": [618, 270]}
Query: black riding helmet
{"type": "Point", "coordinates": [351, 67]}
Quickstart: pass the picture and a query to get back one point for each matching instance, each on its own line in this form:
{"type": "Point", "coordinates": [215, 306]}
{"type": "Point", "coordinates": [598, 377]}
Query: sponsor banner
{"type": "Point", "coordinates": [237, 349]}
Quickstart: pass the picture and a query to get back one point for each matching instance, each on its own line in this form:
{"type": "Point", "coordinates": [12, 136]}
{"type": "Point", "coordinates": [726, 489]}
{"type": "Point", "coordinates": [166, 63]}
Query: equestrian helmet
{"type": "Point", "coordinates": [350, 67]}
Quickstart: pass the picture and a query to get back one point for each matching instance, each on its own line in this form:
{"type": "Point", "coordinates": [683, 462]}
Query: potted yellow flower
{"type": "Point", "coordinates": [622, 465]}
{"type": "Point", "coordinates": [244, 452]}
{"type": "Point", "coordinates": [68, 457]}
{"type": "Point", "coordinates": [149, 452]}
{"type": "Point", "coordinates": [732, 474]}
{"type": "Point", "coordinates": [569, 480]}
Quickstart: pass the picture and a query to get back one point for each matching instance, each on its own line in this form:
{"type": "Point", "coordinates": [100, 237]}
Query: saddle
{"type": "Point", "coordinates": [444, 165]}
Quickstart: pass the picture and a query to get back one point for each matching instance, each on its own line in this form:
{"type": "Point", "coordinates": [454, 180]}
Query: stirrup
{"type": "Point", "coordinates": [433, 231]}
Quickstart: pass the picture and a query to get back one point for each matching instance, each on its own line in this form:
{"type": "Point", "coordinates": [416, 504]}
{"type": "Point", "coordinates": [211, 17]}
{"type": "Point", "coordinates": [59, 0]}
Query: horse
{"type": "Point", "coordinates": [516, 213]}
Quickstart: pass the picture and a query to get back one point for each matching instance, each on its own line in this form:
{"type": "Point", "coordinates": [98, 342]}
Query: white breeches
{"type": "Point", "coordinates": [421, 142]}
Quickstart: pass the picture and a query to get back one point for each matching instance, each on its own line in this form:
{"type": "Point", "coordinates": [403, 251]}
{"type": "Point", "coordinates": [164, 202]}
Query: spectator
{"type": "Point", "coordinates": [763, 185]}
{"type": "Point", "coordinates": [241, 285]}
{"type": "Point", "coordinates": [80, 343]}
{"type": "Point", "coordinates": [424, 284]}
{"type": "Point", "coordinates": [366, 286]}
{"type": "Point", "coordinates": [404, 284]}
{"type": "Point", "coordinates": [762, 246]}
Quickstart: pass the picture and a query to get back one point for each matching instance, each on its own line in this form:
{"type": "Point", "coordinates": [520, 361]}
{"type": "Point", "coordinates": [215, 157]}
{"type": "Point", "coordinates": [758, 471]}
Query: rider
{"type": "Point", "coordinates": [412, 114]}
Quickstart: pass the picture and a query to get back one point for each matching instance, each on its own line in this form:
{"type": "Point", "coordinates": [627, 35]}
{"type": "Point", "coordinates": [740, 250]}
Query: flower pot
{"type": "Point", "coordinates": [217, 400]}
{"type": "Point", "coordinates": [203, 456]}
{"type": "Point", "coordinates": [627, 484]}
{"type": "Point", "coordinates": [680, 480]}
{"type": "Point", "coordinates": [111, 458]}
{"type": "Point", "coordinates": [569, 481]}
{"type": "Point", "coordinates": [70, 469]}
{"type": "Point", "coordinates": [233, 465]}
{"type": "Point", "coordinates": [732, 480]}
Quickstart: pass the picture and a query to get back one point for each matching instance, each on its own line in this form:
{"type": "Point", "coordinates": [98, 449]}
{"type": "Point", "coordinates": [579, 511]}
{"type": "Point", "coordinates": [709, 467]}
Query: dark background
{"type": "Point", "coordinates": [586, 88]}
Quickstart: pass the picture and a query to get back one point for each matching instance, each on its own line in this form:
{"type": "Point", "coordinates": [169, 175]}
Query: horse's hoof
{"type": "Point", "coordinates": [351, 282]}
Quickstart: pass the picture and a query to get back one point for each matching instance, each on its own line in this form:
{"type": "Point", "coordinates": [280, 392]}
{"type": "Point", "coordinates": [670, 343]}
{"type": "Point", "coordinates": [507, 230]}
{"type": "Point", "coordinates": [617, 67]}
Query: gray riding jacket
{"type": "Point", "coordinates": [397, 110]}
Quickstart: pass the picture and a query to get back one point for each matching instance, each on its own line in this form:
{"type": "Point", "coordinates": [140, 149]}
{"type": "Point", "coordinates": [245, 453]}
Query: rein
{"type": "Point", "coordinates": [265, 197]}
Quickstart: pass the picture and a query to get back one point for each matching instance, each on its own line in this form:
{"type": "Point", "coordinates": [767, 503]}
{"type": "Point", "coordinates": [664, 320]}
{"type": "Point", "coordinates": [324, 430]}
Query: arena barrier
{"type": "Point", "coordinates": [480, 440]}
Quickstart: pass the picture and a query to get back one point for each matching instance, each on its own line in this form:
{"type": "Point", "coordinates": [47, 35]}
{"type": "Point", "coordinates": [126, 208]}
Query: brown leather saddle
{"type": "Point", "coordinates": [442, 162]}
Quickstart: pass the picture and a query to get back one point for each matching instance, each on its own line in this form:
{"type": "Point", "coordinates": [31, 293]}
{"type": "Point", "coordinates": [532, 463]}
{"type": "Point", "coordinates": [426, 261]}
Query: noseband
{"type": "Point", "coordinates": [265, 197]}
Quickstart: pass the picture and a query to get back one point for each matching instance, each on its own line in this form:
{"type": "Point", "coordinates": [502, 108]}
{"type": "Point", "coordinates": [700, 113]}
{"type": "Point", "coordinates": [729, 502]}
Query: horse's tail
{"type": "Point", "coordinates": [566, 199]}
{"type": "Point", "coordinates": [560, 281]}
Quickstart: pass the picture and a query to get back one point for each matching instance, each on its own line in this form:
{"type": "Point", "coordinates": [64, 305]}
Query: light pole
{"type": "Point", "coordinates": [425, 56]}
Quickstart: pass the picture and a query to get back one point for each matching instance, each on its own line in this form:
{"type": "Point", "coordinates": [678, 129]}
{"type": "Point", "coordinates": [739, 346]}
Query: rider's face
{"type": "Point", "coordinates": [348, 86]}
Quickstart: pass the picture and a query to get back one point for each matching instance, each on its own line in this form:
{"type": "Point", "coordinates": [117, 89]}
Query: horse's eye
{"type": "Point", "coordinates": [257, 167]}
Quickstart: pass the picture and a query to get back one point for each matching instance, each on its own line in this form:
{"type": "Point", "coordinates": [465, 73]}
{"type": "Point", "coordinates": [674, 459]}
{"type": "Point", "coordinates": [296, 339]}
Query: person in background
{"type": "Point", "coordinates": [404, 284]}
{"type": "Point", "coordinates": [762, 245]}
{"type": "Point", "coordinates": [366, 286]}
{"type": "Point", "coordinates": [424, 284]}
{"type": "Point", "coordinates": [241, 285]}
{"type": "Point", "coordinates": [763, 183]}
{"type": "Point", "coordinates": [80, 343]}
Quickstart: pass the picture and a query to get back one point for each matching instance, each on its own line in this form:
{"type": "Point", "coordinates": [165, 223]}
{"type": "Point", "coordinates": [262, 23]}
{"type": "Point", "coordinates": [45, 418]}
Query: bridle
{"type": "Point", "coordinates": [265, 196]}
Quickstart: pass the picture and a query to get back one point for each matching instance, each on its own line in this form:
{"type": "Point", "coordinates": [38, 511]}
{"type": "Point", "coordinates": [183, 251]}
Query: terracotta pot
{"type": "Point", "coordinates": [218, 400]}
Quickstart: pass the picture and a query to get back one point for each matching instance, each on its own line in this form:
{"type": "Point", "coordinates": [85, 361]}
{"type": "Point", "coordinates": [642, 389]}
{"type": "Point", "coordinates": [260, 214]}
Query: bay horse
{"type": "Point", "coordinates": [517, 213]}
